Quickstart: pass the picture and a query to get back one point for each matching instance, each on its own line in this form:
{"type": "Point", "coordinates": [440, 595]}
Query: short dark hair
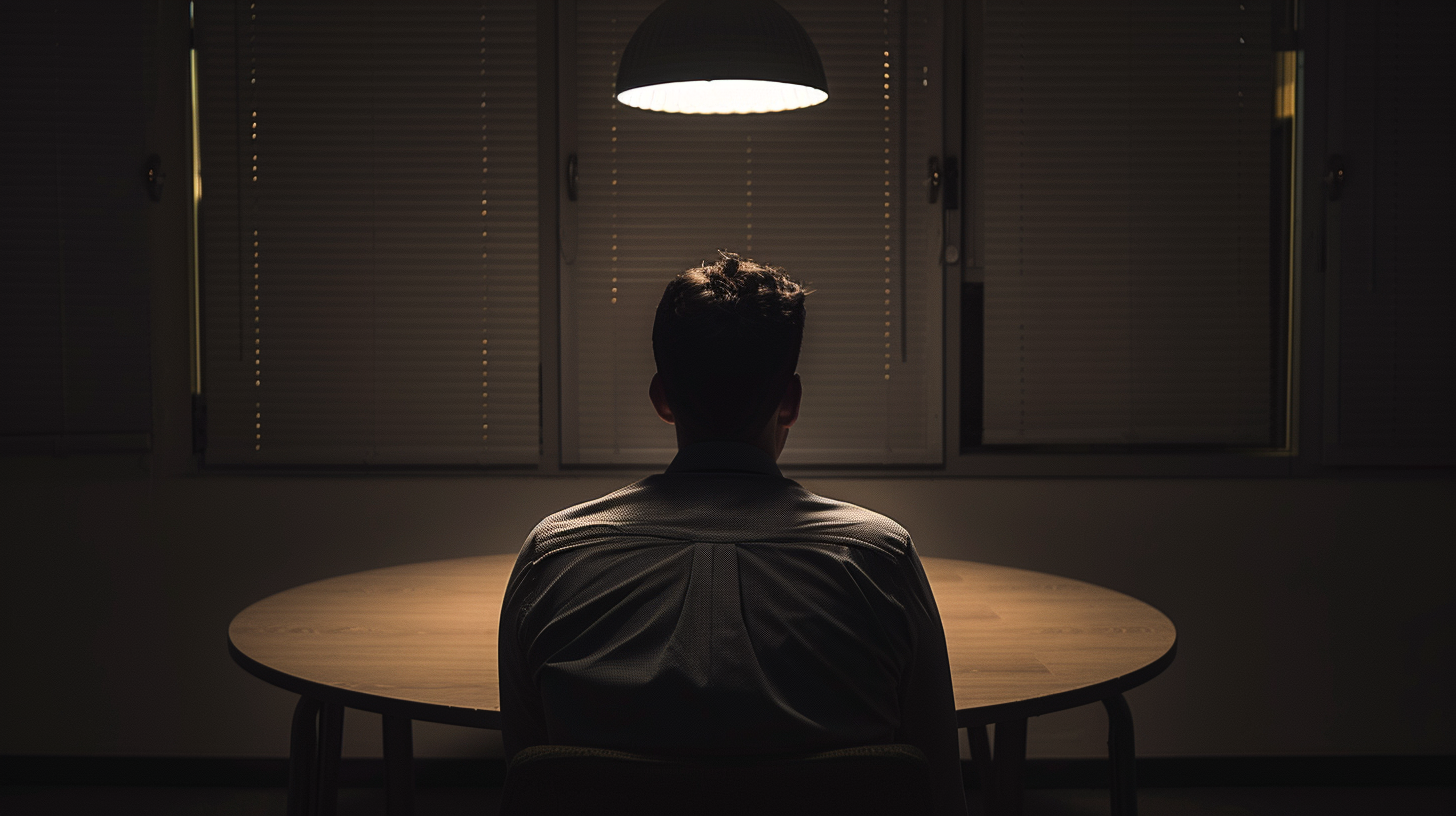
{"type": "Point", "coordinates": [726, 339]}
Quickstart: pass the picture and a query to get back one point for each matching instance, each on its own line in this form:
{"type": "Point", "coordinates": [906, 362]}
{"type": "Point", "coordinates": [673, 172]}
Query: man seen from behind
{"type": "Point", "coordinates": [718, 608]}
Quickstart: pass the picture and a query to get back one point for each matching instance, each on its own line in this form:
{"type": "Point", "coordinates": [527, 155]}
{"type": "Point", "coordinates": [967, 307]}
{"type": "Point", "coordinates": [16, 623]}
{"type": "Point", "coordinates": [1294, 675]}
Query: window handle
{"type": "Point", "coordinates": [949, 179]}
{"type": "Point", "coordinates": [571, 177]}
{"type": "Point", "coordinates": [1335, 177]}
{"type": "Point", "coordinates": [155, 178]}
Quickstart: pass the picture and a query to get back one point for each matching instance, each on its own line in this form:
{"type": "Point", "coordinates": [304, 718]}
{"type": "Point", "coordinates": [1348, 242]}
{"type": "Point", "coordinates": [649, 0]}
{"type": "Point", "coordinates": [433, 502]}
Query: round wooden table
{"type": "Point", "coordinates": [418, 642]}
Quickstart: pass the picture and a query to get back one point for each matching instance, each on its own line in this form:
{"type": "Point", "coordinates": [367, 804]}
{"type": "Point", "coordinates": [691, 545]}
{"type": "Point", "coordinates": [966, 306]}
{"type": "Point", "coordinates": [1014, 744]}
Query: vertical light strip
{"type": "Point", "coordinates": [253, 200]}
{"type": "Point", "coordinates": [611, 75]}
{"type": "Point", "coordinates": [484, 246]}
{"type": "Point", "coordinates": [748, 195]}
{"type": "Point", "coordinates": [1285, 63]}
{"type": "Point", "coordinates": [902, 59]}
{"type": "Point", "coordinates": [888, 210]}
{"type": "Point", "coordinates": [194, 288]}
{"type": "Point", "coordinates": [1287, 106]}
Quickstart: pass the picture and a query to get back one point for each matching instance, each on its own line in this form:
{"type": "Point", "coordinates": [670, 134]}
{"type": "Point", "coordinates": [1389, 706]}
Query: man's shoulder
{"type": "Point", "coordinates": [853, 524]}
{"type": "Point", "coordinates": [732, 508]}
{"type": "Point", "coordinates": [602, 514]}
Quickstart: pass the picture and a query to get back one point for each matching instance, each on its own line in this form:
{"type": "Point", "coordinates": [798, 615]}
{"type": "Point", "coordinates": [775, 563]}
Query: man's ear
{"type": "Point", "coordinates": [789, 405]}
{"type": "Point", "coordinates": [658, 395]}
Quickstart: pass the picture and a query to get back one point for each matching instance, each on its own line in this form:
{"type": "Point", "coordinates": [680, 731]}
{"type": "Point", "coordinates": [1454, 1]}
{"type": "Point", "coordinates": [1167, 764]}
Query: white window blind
{"type": "Point", "coordinates": [1126, 152]}
{"type": "Point", "coordinates": [370, 267]}
{"type": "Point", "coordinates": [822, 192]}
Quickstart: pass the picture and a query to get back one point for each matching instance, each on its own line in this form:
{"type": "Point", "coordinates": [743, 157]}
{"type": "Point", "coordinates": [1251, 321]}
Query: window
{"type": "Point", "coordinates": [1129, 281]}
{"type": "Point", "coordinates": [823, 192]}
{"type": "Point", "coordinates": [369, 233]}
{"type": "Point", "coordinates": [372, 225]}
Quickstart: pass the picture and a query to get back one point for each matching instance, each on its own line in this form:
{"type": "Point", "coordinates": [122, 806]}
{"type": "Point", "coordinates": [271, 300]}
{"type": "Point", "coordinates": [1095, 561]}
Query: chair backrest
{"type": "Point", "coordinates": [871, 779]}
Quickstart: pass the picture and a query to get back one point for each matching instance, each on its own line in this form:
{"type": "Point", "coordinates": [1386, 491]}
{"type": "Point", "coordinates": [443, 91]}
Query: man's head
{"type": "Point", "coordinates": [727, 340]}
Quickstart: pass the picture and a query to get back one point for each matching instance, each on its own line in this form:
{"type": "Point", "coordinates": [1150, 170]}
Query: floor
{"type": "Point", "coordinates": [1265, 801]}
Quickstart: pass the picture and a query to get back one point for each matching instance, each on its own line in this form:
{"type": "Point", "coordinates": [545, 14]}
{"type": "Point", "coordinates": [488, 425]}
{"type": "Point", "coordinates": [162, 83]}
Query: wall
{"type": "Point", "coordinates": [1313, 615]}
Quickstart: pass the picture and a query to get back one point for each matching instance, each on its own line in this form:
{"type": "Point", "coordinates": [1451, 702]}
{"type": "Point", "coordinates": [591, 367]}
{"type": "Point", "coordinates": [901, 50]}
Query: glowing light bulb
{"type": "Point", "coordinates": [722, 96]}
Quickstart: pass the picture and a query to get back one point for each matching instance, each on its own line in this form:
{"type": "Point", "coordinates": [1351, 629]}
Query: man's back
{"type": "Point", "coordinates": [719, 608]}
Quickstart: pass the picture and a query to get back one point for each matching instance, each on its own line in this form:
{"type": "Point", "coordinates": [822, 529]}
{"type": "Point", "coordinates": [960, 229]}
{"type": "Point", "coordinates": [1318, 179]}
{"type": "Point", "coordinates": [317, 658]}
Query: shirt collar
{"type": "Point", "coordinates": [723, 455]}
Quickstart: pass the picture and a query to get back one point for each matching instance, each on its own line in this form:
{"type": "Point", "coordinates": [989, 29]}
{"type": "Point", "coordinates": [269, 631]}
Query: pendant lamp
{"type": "Point", "coordinates": [720, 56]}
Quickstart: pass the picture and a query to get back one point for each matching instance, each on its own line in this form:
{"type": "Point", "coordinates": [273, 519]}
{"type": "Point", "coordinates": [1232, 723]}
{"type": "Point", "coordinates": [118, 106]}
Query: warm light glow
{"type": "Point", "coordinates": [194, 297]}
{"type": "Point", "coordinates": [722, 96]}
{"type": "Point", "coordinates": [1286, 72]}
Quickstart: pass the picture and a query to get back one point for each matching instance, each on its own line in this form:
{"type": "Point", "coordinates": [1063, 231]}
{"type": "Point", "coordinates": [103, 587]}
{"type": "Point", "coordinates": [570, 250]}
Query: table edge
{"type": "Point", "coordinates": [491, 718]}
{"type": "Point", "coordinates": [1072, 698]}
{"type": "Point", "coordinates": [365, 701]}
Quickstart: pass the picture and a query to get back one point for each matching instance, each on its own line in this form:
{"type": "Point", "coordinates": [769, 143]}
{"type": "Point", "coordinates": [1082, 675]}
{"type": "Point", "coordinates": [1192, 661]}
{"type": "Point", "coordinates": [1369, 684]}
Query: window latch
{"type": "Point", "coordinates": [947, 178]}
{"type": "Point", "coordinates": [155, 178]}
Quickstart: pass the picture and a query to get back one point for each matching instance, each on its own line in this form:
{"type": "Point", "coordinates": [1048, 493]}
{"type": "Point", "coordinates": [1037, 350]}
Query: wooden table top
{"type": "Point", "coordinates": [419, 640]}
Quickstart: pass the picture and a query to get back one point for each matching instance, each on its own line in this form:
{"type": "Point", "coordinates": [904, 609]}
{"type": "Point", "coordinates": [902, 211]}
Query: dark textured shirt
{"type": "Point", "coordinates": [721, 609]}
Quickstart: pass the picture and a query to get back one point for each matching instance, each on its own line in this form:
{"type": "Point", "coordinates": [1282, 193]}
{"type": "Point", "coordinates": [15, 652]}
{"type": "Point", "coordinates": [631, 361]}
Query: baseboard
{"type": "Point", "coordinates": [1243, 772]}
{"type": "Point", "coordinates": [1152, 772]}
{"type": "Point", "coordinates": [231, 772]}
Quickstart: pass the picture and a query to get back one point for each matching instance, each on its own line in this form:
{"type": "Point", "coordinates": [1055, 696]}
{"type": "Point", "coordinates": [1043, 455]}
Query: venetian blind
{"type": "Point", "coordinates": [821, 192]}
{"type": "Point", "coordinates": [1126, 150]}
{"type": "Point", "coordinates": [369, 232]}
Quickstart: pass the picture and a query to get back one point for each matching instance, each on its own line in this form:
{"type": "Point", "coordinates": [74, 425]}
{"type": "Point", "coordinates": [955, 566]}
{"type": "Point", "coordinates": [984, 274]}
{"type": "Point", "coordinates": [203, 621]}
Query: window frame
{"type": "Point", "coordinates": [1153, 460]}
{"type": "Point", "coordinates": [962, 237]}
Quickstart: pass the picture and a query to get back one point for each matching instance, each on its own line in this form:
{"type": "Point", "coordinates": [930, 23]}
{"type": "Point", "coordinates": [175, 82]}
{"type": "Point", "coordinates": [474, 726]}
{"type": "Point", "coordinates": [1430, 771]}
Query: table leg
{"type": "Point", "coordinates": [981, 759]}
{"type": "Point", "coordinates": [1008, 760]}
{"type": "Point", "coordinates": [399, 768]}
{"type": "Point", "coordinates": [303, 758]}
{"type": "Point", "coordinates": [1122, 755]}
{"type": "Point", "coordinates": [331, 745]}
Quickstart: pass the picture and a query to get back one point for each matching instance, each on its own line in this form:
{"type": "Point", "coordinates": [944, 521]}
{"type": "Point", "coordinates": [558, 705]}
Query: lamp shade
{"type": "Point", "coordinates": [720, 56]}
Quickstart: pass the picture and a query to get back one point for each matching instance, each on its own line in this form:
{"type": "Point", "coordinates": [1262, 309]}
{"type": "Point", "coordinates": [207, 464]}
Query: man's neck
{"type": "Point", "coordinates": [767, 439]}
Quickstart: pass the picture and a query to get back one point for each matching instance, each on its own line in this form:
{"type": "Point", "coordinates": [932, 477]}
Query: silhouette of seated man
{"type": "Point", "coordinates": [719, 608]}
